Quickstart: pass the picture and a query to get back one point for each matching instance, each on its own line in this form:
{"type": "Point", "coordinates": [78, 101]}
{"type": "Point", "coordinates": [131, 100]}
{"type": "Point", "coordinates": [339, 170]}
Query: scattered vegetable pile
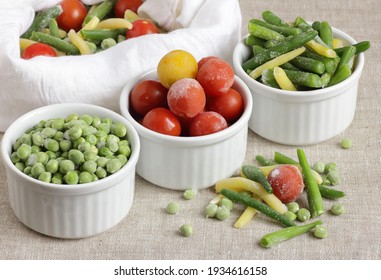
{"type": "Point", "coordinates": [189, 98]}
{"type": "Point", "coordinates": [72, 150]}
{"type": "Point", "coordinates": [298, 56]}
{"type": "Point", "coordinates": [72, 28]}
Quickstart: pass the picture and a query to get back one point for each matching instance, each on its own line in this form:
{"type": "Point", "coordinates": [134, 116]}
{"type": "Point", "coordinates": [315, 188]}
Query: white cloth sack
{"type": "Point", "coordinates": [202, 27]}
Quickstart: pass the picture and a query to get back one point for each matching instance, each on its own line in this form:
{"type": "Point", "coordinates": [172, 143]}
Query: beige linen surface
{"type": "Point", "coordinates": [148, 232]}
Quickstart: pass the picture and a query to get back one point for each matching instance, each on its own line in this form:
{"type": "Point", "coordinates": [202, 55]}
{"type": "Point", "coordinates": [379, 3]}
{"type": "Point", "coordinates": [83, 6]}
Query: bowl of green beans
{"type": "Point", "coordinates": [70, 169]}
{"type": "Point", "coordinates": [300, 97]}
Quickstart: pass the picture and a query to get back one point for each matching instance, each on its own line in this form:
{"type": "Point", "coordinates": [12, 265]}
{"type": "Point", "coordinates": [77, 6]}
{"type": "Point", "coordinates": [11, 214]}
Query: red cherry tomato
{"type": "Point", "coordinates": [38, 49]}
{"type": "Point", "coordinates": [141, 27]}
{"type": "Point", "coordinates": [202, 61]}
{"type": "Point", "coordinates": [122, 5]}
{"type": "Point", "coordinates": [163, 121]}
{"type": "Point", "coordinates": [186, 98]}
{"type": "Point", "coordinates": [207, 123]}
{"type": "Point", "coordinates": [286, 182]}
{"type": "Point", "coordinates": [229, 105]}
{"type": "Point", "coordinates": [72, 16]}
{"type": "Point", "coordinates": [146, 95]}
{"type": "Point", "coordinates": [216, 77]}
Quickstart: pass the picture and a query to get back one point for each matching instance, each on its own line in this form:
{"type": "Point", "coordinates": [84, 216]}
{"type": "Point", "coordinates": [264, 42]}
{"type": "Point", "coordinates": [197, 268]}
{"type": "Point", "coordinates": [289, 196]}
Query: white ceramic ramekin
{"type": "Point", "coordinates": [304, 117]}
{"type": "Point", "coordinates": [181, 163]}
{"type": "Point", "coordinates": [69, 211]}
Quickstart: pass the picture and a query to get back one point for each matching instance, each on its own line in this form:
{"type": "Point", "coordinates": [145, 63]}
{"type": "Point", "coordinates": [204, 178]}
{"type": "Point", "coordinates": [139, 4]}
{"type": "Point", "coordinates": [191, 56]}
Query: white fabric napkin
{"type": "Point", "coordinates": [202, 27]}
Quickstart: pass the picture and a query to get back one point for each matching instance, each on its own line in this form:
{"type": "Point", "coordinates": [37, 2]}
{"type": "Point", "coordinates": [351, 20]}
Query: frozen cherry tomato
{"type": "Point", "coordinates": [38, 49]}
{"type": "Point", "coordinates": [148, 94]}
{"type": "Point", "coordinates": [141, 27]}
{"type": "Point", "coordinates": [202, 61]}
{"type": "Point", "coordinates": [163, 121]}
{"type": "Point", "coordinates": [122, 5]}
{"type": "Point", "coordinates": [216, 77]}
{"type": "Point", "coordinates": [207, 123]}
{"type": "Point", "coordinates": [229, 105]}
{"type": "Point", "coordinates": [186, 98]}
{"type": "Point", "coordinates": [72, 16]}
{"type": "Point", "coordinates": [286, 182]}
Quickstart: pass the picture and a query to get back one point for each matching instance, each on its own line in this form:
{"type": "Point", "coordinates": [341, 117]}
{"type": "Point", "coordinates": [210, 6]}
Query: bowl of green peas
{"type": "Point", "coordinates": [303, 78]}
{"type": "Point", "coordinates": [70, 169]}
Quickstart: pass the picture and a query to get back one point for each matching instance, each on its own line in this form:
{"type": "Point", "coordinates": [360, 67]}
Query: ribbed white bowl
{"type": "Point", "coordinates": [189, 162]}
{"type": "Point", "coordinates": [304, 117]}
{"type": "Point", "coordinates": [69, 211]}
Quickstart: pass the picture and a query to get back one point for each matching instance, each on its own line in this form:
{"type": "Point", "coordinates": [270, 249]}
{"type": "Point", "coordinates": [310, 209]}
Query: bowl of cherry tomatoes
{"type": "Point", "coordinates": [192, 120]}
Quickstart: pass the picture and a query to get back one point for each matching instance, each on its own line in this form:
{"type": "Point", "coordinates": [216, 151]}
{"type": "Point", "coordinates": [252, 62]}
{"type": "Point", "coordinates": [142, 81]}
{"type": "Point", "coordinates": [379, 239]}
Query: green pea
{"type": "Point", "coordinates": [20, 166]}
{"type": "Point", "coordinates": [101, 172]}
{"type": "Point", "coordinates": [101, 161]}
{"type": "Point", "coordinates": [32, 160]}
{"type": "Point", "coordinates": [87, 118]}
{"type": "Point", "coordinates": [105, 127]}
{"type": "Point", "coordinates": [71, 178]}
{"type": "Point", "coordinates": [90, 155]}
{"type": "Point", "coordinates": [78, 142]}
{"type": "Point", "coordinates": [333, 177]}
{"type": "Point", "coordinates": [337, 209]}
{"type": "Point", "coordinates": [25, 139]}
{"type": "Point", "coordinates": [45, 177]}
{"type": "Point", "coordinates": [65, 145]}
{"type": "Point", "coordinates": [108, 121]}
{"type": "Point", "coordinates": [89, 166]}
{"type": "Point", "coordinates": [112, 145]}
{"type": "Point", "coordinates": [57, 178]}
{"type": "Point", "coordinates": [173, 208]}
{"type": "Point", "coordinates": [303, 215]}
{"type": "Point", "coordinates": [76, 156]}
{"type": "Point", "coordinates": [42, 157]}
{"type": "Point", "coordinates": [27, 170]}
{"type": "Point", "coordinates": [41, 124]}
{"type": "Point", "coordinates": [346, 143]}
{"type": "Point", "coordinates": [186, 230]}
{"type": "Point", "coordinates": [84, 146]}
{"type": "Point", "coordinates": [71, 117]}
{"type": "Point", "coordinates": [189, 194]}
{"type": "Point", "coordinates": [94, 177]}
{"type": "Point", "coordinates": [319, 167]}
{"type": "Point", "coordinates": [24, 151]}
{"type": "Point", "coordinates": [52, 166]}
{"type": "Point", "coordinates": [96, 121]}
{"type": "Point", "coordinates": [17, 144]}
{"type": "Point", "coordinates": [124, 150]}
{"type": "Point", "coordinates": [37, 139]}
{"type": "Point", "coordinates": [91, 139]}
{"type": "Point", "coordinates": [66, 166]}
{"type": "Point", "coordinates": [48, 132]}
{"type": "Point", "coordinates": [14, 157]}
{"type": "Point", "coordinates": [119, 129]}
{"type": "Point", "coordinates": [105, 152]}
{"type": "Point", "coordinates": [88, 130]}
{"type": "Point", "coordinates": [35, 149]}
{"type": "Point", "coordinates": [293, 207]}
{"type": "Point", "coordinates": [222, 213]}
{"type": "Point", "coordinates": [75, 132]}
{"type": "Point", "coordinates": [37, 169]}
{"type": "Point", "coordinates": [122, 158]}
{"type": "Point", "coordinates": [58, 124]}
{"type": "Point", "coordinates": [51, 145]}
{"type": "Point", "coordinates": [211, 210]}
{"type": "Point", "coordinates": [85, 177]}
{"type": "Point", "coordinates": [320, 231]}
{"type": "Point", "coordinates": [331, 166]}
{"type": "Point", "coordinates": [52, 155]}
{"type": "Point", "coordinates": [59, 136]}
{"type": "Point", "coordinates": [113, 165]}
{"type": "Point", "coordinates": [227, 203]}
{"type": "Point", "coordinates": [290, 215]}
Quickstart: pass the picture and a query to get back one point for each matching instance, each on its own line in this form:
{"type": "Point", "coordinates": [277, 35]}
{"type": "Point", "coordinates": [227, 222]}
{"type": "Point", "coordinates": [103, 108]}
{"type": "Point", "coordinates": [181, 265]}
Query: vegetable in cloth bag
{"type": "Point", "coordinates": [202, 27]}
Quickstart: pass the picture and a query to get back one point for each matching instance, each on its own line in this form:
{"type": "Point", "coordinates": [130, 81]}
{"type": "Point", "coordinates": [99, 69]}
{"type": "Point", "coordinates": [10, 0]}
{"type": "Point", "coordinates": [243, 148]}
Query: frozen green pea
{"type": "Point", "coordinates": [41, 124]}
{"type": "Point", "coordinates": [101, 172]}
{"type": "Point", "coordinates": [331, 166]}
{"type": "Point", "coordinates": [65, 145]}
{"type": "Point", "coordinates": [303, 214]}
{"type": "Point", "coordinates": [87, 118]}
{"type": "Point", "coordinates": [71, 117]}
{"type": "Point", "coordinates": [51, 155]}
{"type": "Point", "coordinates": [71, 178]}
{"type": "Point", "coordinates": [222, 213]}
{"type": "Point", "coordinates": [346, 143]}
{"type": "Point", "coordinates": [45, 177]}
{"type": "Point", "coordinates": [211, 210]}
{"type": "Point", "coordinates": [89, 166]}
{"type": "Point", "coordinates": [107, 120]}
{"type": "Point", "coordinates": [320, 231]}
{"type": "Point", "coordinates": [85, 177]}
{"type": "Point", "coordinates": [42, 157]}
{"type": "Point", "coordinates": [78, 142]}
{"type": "Point", "coordinates": [319, 167]}
{"type": "Point", "coordinates": [52, 166]}
{"type": "Point", "coordinates": [20, 166]}
{"type": "Point", "coordinates": [337, 209]}
{"type": "Point", "coordinates": [173, 208]}
{"type": "Point", "coordinates": [96, 121]}
{"type": "Point", "coordinates": [333, 177]}
{"type": "Point", "coordinates": [66, 166]}
{"type": "Point", "coordinates": [186, 230]}
{"type": "Point", "coordinates": [59, 136]}
{"type": "Point", "coordinates": [37, 139]}
{"type": "Point", "coordinates": [94, 177]}
{"type": "Point", "coordinates": [101, 161]}
{"type": "Point", "coordinates": [57, 178]}
{"type": "Point", "coordinates": [189, 194]}
{"type": "Point", "coordinates": [122, 158]}
{"type": "Point", "coordinates": [75, 132]}
{"type": "Point", "coordinates": [24, 151]}
{"type": "Point", "coordinates": [105, 127]}
{"type": "Point", "coordinates": [227, 203]}
{"type": "Point", "coordinates": [108, 43]}
{"type": "Point", "coordinates": [124, 150]}
{"type": "Point", "coordinates": [32, 160]}
{"type": "Point", "coordinates": [112, 145]}
{"type": "Point", "coordinates": [27, 170]}
{"type": "Point", "coordinates": [51, 145]}
{"type": "Point", "coordinates": [84, 146]}
{"type": "Point", "coordinates": [37, 169]}
{"type": "Point", "coordinates": [90, 155]}
{"type": "Point", "coordinates": [48, 123]}
{"type": "Point", "coordinates": [113, 165]}
{"type": "Point", "coordinates": [58, 124]}
{"type": "Point", "coordinates": [26, 139]}
{"type": "Point", "coordinates": [35, 149]}
{"type": "Point", "coordinates": [91, 139]}
{"type": "Point", "coordinates": [15, 158]}
{"type": "Point", "coordinates": [93, 149]}
{"type": "Point", "coordinates": [17, 144]}
{"type": "Point", "coordinates": [119, 129]}
{"type": "Point", "coordinates": [76, 156]}
{"type": "Point", "coordinates": [105, 152]}
{"type": "Point", "coordinates": [290, 215]}
{"type": "Point", "coordinates": [48, 132]}
{"type": "Point", "coordinates": [293, 207]}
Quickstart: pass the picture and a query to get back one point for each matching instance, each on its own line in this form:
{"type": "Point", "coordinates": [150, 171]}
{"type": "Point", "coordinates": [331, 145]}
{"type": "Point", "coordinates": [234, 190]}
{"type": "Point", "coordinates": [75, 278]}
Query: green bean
{"type": "Point", "coordinates": [330, 193]}
{"type": "Point", "coordinates": [254, 173]}
{"type": "Point", "coordinates": [269, 79]}
{"type": "Point", "coordinates": [329, 63]}
{"type": "Point", "coordinates": [340, 75]}
{"type": "Point", "coordinates": [283, 47]}
{"type": "Point", "coordinates": [314, 198]}
{"type": "Point", "coordinates": [348, 53]}
{"type": "Point", "coordinates": [263, 32]}
{"type": "Point", "coordinates": [360, 47]}
{"type": "Point", "coordinates": [302, 24]}
{"type": "Point", "coordinates": [304, 78]}
{"type": "Point", "coordinates": [102, 34]}
{"type": "Point", "coordinates": [251, 40]}
{"type": "Point", "coordinates": [264, 161]}
{"type": "Point", "coordinates": [326, 35]}
{"type": "Point", "coordinates": [271, 18]}
{"type": "Point", "coordinates": [283, 159]}
{"type": "Point", "coordinates": [316, 25]}
{"type": "Point", "coordinates": [284, 30]}
{"type": "Point", "coordinates": [55, 42]}
{"type": "Point", "coordinates": [309, 64]}
{"type": "Point", "coordinates": [325, 78]}
{"type": "Point", "coordinates": [100, 11]}
{"type": "Point", "coordinates": [53, 27]}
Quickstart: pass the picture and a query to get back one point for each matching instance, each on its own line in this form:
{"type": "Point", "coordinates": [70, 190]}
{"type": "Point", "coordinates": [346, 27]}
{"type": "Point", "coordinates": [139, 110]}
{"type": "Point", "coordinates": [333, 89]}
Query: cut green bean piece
{"type": "Point", "coordinates": [264, 161]}
{"type": "Point", "coordinates": [263, 32]}
{"type": "Point", "coordinates": [268, 78]}
{"type": "Point", "coordinates": [302, 78]}
{"type": "Point", "coordinates": [325, 33]}
{"type": "Point", "coordinates": [100, 11]}
{"type": "Point", "coordinates": [284, 30]}
{"type": "Point", "coordinates": [330, 193]}
{"type": "Point", "coordinates": [309, 64]}
{"type": "Point", "coordinates": [347, 55]}
{"type": "Point", "coordinates": [340, 75]}
{"type": "Point", "coordinates": [360, 47]}
{"type": "Point", "coordinates": [272, 18]}
{"type": "Point", "coordinates": [252, 40]}
{"type": "Point", "coordinates": [102, 34]}
{"type": "Point", "coordinates": [53, 27]}
{"type": "Point", "coordinates": [55, 42]}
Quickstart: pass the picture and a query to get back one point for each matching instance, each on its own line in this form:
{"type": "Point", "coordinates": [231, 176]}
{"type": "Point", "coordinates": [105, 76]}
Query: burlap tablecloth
{"type": "Point", "coordinates": [148, 232]}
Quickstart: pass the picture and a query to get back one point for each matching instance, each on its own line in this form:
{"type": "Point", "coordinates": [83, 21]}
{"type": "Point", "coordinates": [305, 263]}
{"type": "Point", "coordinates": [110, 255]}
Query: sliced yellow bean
{"type": "Point", "coordinates": [114, 23]}
{"type": "Point", "coordinates": [92, 24]}
{"type": "Point", "coordinates": [131, 16]}
{"type": "Point", "coordinates": [79, 42]}
{"type": "Point", "coordinates": [243, 184]}
{"type": "Point", "coordinates": [282, 59]}
{"type": "Point", "coordinates": [217, 199]}
{"type": "Point", "coordinates": [24, 43]}
{"type": "Point", "coordinates": [245, 217]}
{"type": "Point", "coordinates": [337, 43]}
{"type": "Point", "coordinates": [282, 79]}
{"type": "Point", "coordinates": [322, 50]}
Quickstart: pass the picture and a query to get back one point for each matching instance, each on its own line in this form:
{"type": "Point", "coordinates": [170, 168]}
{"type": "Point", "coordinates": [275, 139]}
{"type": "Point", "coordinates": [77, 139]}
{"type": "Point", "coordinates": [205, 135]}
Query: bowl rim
{"type": "Point", "coordinates": [91, 187]}
{"type": "Point", "coordinates": [185, 140]}
{"type": "Point", "coordinates": [301, 95]}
